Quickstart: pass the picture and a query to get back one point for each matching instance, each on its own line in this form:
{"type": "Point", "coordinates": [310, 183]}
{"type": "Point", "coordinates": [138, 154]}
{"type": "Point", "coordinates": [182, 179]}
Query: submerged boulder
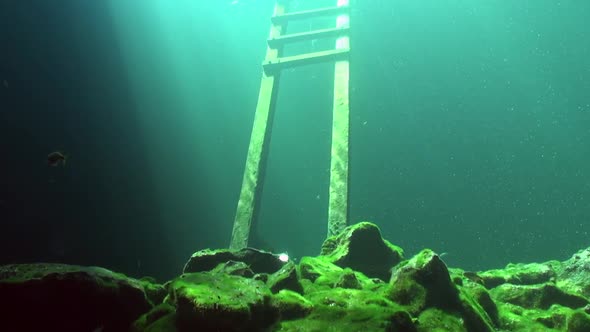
{"type": "Point", "coordinates": [219, 302]}
{"type": "Point", "coordinates": [161, 318]}
{"type": "Point", "coordinates": [291, 305]}
{"type": "Point", "coordinates": [360, 282]}
{"type": "Point", "coordinates": [578, 322]}
{"type": "Point", "coordinates": [314, 268]}
{"type": "Point", "coordinates": [537, 296]}
{"type": "Point", "coordinates": [423, 281]}
{"type": "Point", "coordinates": [424, 287]}
{"type": "Point", "coordinates": [573, 274]}
{"type": "Point", "coordinates": [285, 278]}
{"type": "Point", "coordinates": [361, 248]}
{"type": "Point", "coordinates": [58, 297]}
{"type": "Point", "coordinates": [348, 279]}
{"type": "Point", "coordinates": [519, 274]}
{"type": "Point", "coordinates": [234, 268]}
{"type": "Point", "coordinates": [258, 261]}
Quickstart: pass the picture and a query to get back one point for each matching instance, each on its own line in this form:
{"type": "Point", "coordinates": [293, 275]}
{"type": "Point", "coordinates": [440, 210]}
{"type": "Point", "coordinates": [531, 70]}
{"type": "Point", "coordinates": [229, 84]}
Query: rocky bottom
{"type": "Point", "coordinates": [359, 282]}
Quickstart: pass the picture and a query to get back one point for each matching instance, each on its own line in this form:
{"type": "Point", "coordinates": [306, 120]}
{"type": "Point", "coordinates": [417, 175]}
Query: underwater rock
{"type": "Point", "coordinates": [516, 318]}
{"type": "Point", "coordinates": [161, 318]}
{"type": "Point", "coordinates": [348, 280]}
{"type": "Point", "coordinates": [361, 248]}
{"type": "Point", "coordinates": [537, 296]}
{"type": "Point", "coordinates": [285, 278]}
{"type": "Point", "coordinates": [341, 309]}
{"type": "Point", "coordinates": [483, 298]}
{"type": "Point", "coordinates": [554, 318]}
{"type": "Point", "coordinates": [434, 319]}
{"type": "Point", "coordinates": [258, 261]}
{"type": "Point", "coordinates": [423, 283]}
{"type": "Point", "coordinates": [154, 291]}
{"type": "Point", "coordinates": [234, 268]}
{"type": "Point", "coordinates": [574, 273]}
{"type": "Point", "coordinates": [578, 322]}
{"type": "Point", "coordinates": [58, 297]}
{"type": "Point", "coordinates": [319, 272]}
{"type": "Point", "coordinates": [217, 302]}
{"type": "Point", "coordinates": [250, 290]}
{"type": "Point", "coordinates": [291, 305]}
{"type": "Point", "coordinates": [519, 274]}
{"type": "Point", "coordinates": [312, 268]}
{"type": "Point", "coordinates": [261, 276]}
{"type": "Point", "coordinates": [401, 321]}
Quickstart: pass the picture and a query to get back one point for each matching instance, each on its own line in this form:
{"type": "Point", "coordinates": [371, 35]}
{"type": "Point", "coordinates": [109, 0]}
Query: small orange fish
{"type": "Point", "coordinates": [56, 158]}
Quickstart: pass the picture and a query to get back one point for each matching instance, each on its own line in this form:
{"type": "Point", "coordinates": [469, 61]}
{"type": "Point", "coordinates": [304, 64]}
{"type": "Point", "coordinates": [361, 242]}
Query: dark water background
{"type": "Point", "coordinates": [470, 128]}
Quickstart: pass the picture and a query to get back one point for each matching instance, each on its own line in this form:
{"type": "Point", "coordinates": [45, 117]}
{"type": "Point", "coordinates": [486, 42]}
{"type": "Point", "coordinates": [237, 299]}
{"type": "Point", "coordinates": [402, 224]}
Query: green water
{"type": "Point", "coordinates": [470, 127]}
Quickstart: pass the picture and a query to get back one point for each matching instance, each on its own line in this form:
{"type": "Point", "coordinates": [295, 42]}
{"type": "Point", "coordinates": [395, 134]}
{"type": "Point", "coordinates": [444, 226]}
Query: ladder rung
{"type": "Point", "coordinates": [279, 19]}
{"type": "Point", "coordinates": [309, 35]}
{"type": "Point", "coordinates": [272, 66]}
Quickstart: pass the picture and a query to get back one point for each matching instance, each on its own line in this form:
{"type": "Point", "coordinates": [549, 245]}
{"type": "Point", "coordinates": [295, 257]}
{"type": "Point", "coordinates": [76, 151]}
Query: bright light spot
{"type": "Point", "coordinates": [284, 258]}
{"type": "Point", "coordinates": [342, 20]}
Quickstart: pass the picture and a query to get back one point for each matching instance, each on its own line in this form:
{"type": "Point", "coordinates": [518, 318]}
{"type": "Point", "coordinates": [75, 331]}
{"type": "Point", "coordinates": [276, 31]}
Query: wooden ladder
{"type": "Point", "coordinates": [274, 63]}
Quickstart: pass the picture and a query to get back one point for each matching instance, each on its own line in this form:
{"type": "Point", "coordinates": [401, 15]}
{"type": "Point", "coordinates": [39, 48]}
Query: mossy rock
{"type": "Point", "coordinates": [519, 274]}
{"type": "Point", "coordinates": [537, 296]}
{"type": "Point", "coordinates": [286, 278]}
{"type": "Point", "coordinates": [223, 302]}
{"type": "Point", "coordinates": [578, 322]}
{"type": "Point", "coordinates": [361, 248]}
{"type": "Point", "coordinates": [160, 318]}
{"type": "Point", "coordinates": [291, 305]}
{"type": "Point", "coordinates": [351, 310]}
{"type": "Point", "coordinates": [42, 297]}
{"type": "Point", "coordinates": [258, 261]}
{"type": "Point", "coordinates": [436, 320]}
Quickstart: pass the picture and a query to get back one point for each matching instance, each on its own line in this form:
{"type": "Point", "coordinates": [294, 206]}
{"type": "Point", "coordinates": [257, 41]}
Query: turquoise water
{"type": "Point", "coordinates": [469, 130]}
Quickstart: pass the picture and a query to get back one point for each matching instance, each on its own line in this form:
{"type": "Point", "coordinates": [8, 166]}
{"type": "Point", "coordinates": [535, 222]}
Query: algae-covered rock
{"type": "Point", "coordinates": [291, 305]}
{"type": "Point", "coordinates": [537, 296]}
{"type": "Point", "coordinates": [474, 316]}
{"type": "Point", "coordinates": [261, 276]}
{"type": "Point", "coordinates": [165, 323]}
{"type": "Point", "coordinates": [553, 318]}
{"type": "Point", "coordinates": [423, 282]}
{"type": "Point", "coordinates": [257, 260]}
{"type": "Point", "coordinates": [431, 320]}
{"type": "Point", "coordinates": [361, 248]}
{"type": "Point", "coordinates": [161, 318]}
{"type": "Point", "coordinates": [58, 297]}
{"type": "Point", "coordinates": [154, 291]}
{"type": "Point", "coordinates": [324, 274]}
{"type": "Point", "coordinates": [216, 301]}
{"type": "Point", "coordinates": [234, 268]}
{"type": "Point", "coordinates": [556, 318]}
{"type": "Point", "coordinates": [578, 322]}
{"type": "Point", "coordinates": [574, 274]}
{"type": "Point", "coordinates": [519, 274]}
{"type": "Point", "coordinates": [351, 310]}
{"type": "Point", "coordinates": [483, 298]}
{"type": "Point", "coordinates": [313, 268]}
{"type": "Point", "coordinates": [348, 279]}
{"type": "Point", "coordinates": [341, 290]}
{"type": "Point", "coordinates": [285, 278]}
{"type": "Point", "coordinates": [401, 321]}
